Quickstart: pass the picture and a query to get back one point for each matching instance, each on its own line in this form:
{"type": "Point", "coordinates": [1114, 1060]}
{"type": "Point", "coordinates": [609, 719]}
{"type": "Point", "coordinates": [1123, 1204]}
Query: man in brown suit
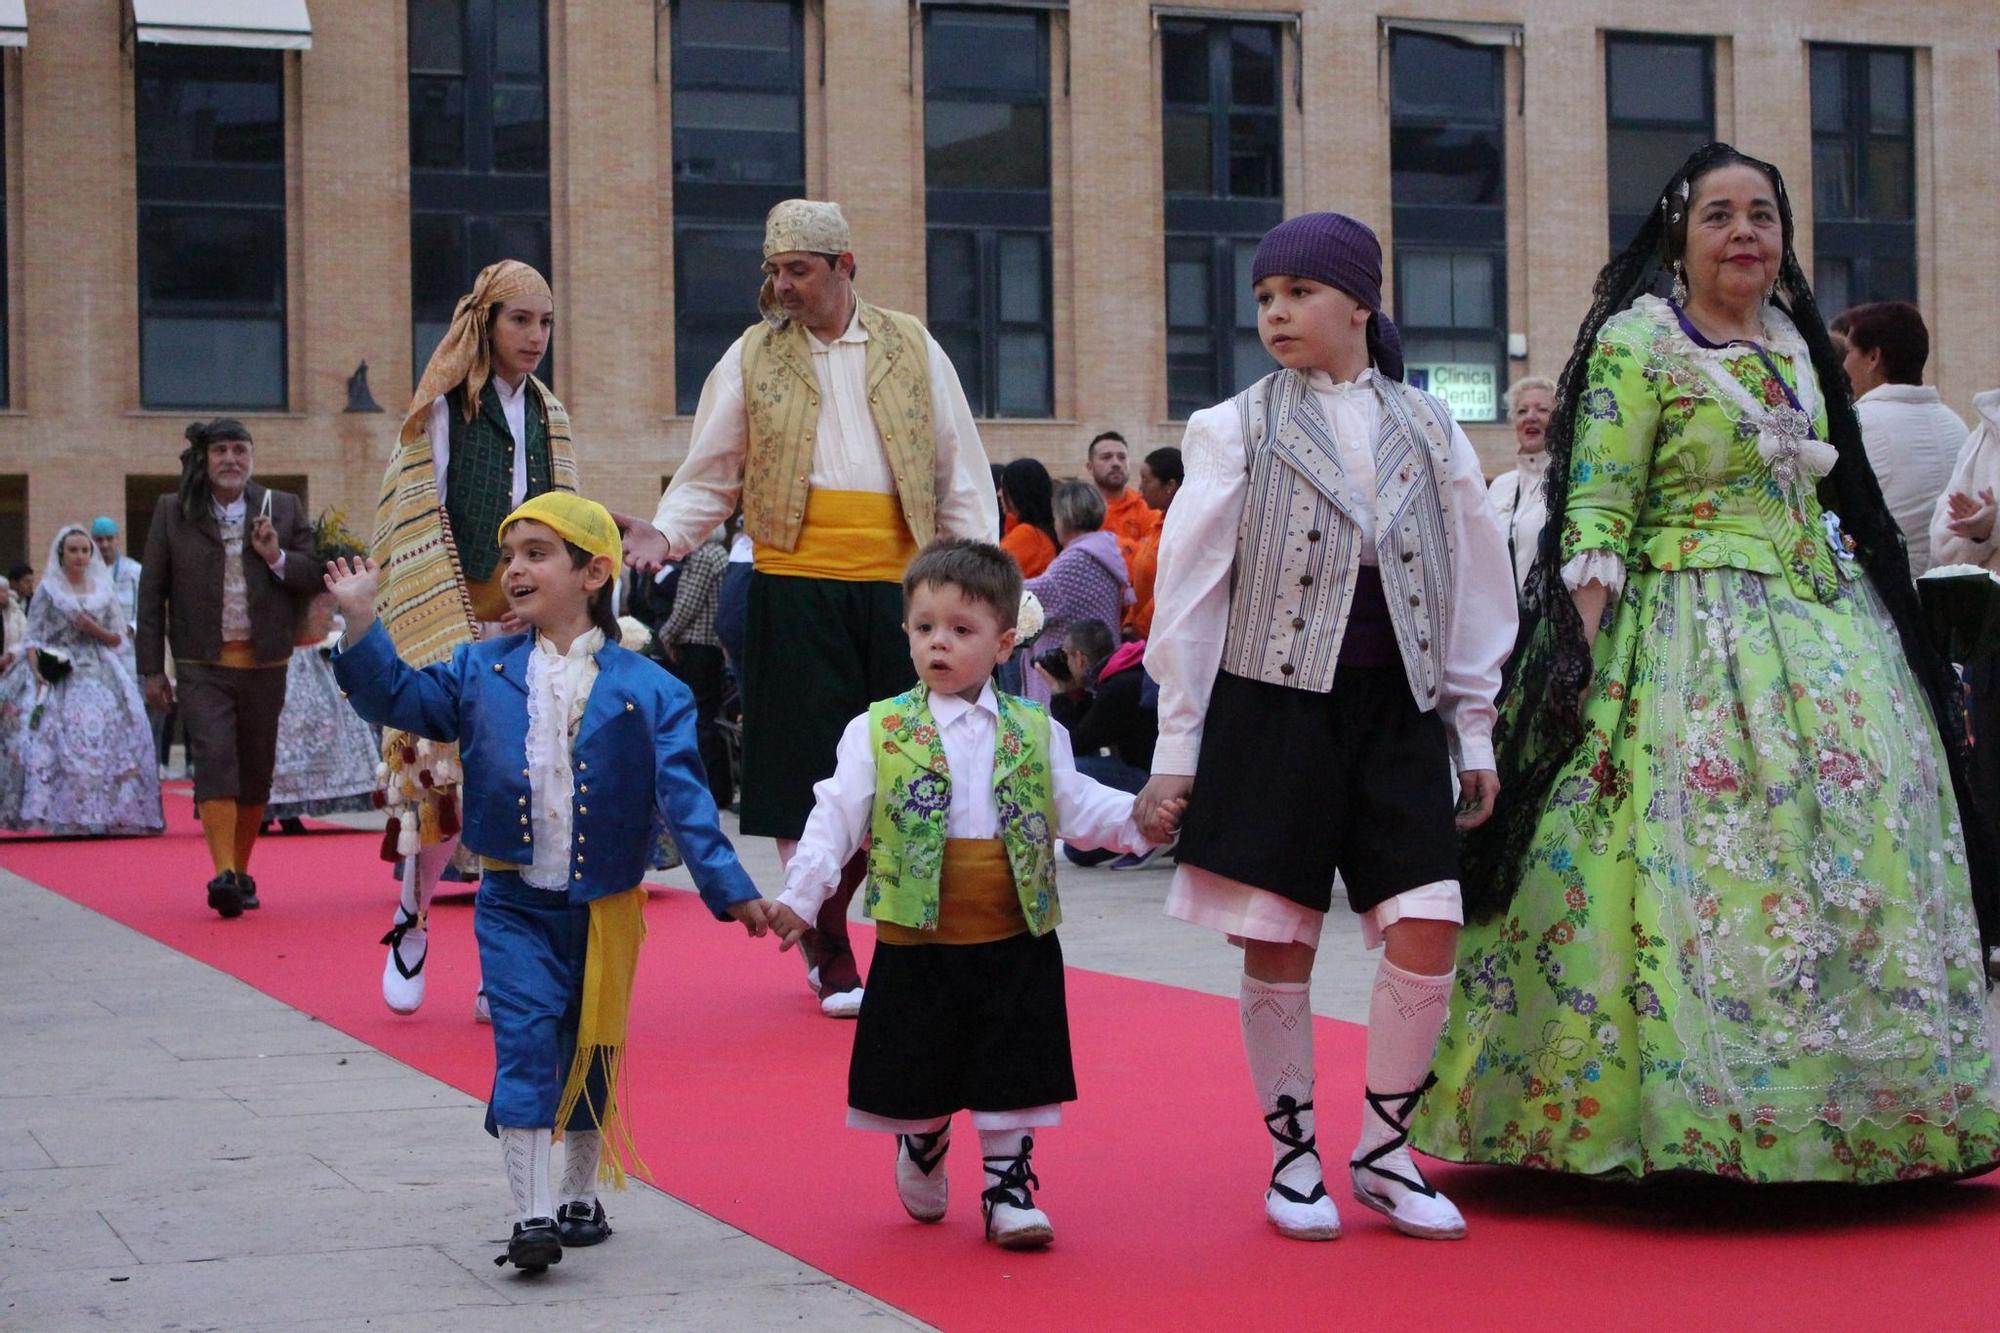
{"type": "Point", "coordinates": [228, 567]}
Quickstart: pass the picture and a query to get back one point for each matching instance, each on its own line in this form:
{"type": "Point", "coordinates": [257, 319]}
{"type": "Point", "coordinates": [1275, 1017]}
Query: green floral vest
{"type": "Point", "coordinates": [479, 478]}
{"type": "Point", "coordinates": [913, 795]}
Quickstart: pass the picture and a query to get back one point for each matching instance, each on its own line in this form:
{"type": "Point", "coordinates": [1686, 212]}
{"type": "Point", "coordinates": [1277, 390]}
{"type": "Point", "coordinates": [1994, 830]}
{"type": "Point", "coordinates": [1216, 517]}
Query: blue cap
{"type": "Point", "coordinates": [103, 526]}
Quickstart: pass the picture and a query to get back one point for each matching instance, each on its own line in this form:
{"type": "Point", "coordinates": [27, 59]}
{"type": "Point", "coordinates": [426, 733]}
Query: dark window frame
{"type": "Point", "coordinates": [731, 210]}
{"type": "Point", "coordinates": [1625, 223]}
{"type": "Point", "coordinates": [985, 218]}
{"type": "Point", "coordinates": [1472, 229]}
{"type": "Point", "coordinates": [1861, 244]}
{"type": "Point", "coordinates": [6, 292]}
{"type": "Point", "coordinates": [1209, 226]}
{"type": "Point", "coordinates": [478, 198]}
{"type": "Point", "coordinates": [215, 189]}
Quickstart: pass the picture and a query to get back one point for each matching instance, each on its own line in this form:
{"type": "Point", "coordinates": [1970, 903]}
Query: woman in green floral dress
{"type": "Point", "coordinates": [1731, 923]}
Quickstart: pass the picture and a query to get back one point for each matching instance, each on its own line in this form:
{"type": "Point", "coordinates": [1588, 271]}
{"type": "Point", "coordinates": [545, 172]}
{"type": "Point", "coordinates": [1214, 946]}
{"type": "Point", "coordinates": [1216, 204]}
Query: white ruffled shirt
{"type": "Point", "coordinates": [1087, 813]}
{"type": "Point", "coordinates": [847, 448]}
{"type": "Point", "coordinates": [558, 690]}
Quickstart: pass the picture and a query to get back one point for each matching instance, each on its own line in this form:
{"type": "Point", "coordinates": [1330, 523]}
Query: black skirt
{"type": "Point", "coordinates": [952, 1027]}
{"type": "Point", "coordinates": [1293, 786]}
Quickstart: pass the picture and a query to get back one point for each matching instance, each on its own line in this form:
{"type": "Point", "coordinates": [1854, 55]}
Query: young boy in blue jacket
{"type": "Point", "coordinates": [576, 752]}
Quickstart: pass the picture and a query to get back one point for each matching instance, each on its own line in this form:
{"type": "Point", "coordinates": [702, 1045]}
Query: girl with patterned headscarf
{"type": "Point", "coordinates": [482, 435]}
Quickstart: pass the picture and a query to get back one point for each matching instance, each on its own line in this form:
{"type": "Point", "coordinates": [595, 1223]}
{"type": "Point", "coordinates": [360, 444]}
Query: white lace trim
{"type": "Point", "coordinates": [558, 690]}
{"type": "Point", "coordinates": [1606, 567]}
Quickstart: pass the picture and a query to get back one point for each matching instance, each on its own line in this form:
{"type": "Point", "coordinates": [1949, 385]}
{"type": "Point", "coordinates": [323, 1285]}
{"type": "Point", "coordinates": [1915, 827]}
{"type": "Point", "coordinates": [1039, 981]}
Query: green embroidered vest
{"type": "Point", "coordinates": [913, 795]}
{"type": "Point", "coordinates": [479, 479]}
{"type": "Point", "coordinates": [781, 412]}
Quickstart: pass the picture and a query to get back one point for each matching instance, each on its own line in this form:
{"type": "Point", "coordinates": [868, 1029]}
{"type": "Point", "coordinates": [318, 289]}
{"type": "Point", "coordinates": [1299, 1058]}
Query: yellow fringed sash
{"type": "Point", "coordinates": [611, 961]}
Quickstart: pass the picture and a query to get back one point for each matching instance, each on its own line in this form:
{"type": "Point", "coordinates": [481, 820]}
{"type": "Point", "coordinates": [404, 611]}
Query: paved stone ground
{"type": "Point", "coordinates": [180, 1151]}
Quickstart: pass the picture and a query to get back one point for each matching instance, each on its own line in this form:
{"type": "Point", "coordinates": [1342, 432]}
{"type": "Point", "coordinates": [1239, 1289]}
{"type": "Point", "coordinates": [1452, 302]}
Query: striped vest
{"type": "Point", "coordinates": [913, 797]}
{"type": "Point", "coordinates": [781, 407]}
{"type": "Point", "coordinates": [1298, 549]}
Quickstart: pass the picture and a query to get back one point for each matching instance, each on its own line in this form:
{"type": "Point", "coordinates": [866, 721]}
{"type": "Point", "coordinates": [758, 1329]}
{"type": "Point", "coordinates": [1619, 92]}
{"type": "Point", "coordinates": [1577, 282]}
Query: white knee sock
{"type": "Point", "coordinates": [999, 1148]}
{"type": "Point", "coordinates": [526, 1153]}
{"type": "Point", "coordinates": [581, 1150]}
{"type": "Point", "coordinates": [415, 898]}
{"type": "Point", "coordinates": [1278, 1039]}
{"type": "Point", "coordinates": [1404, 1018]}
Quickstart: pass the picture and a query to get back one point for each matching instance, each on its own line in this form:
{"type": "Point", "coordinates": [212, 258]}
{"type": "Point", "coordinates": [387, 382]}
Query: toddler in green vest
{"type": "Point", "coordinates": [960, 792]}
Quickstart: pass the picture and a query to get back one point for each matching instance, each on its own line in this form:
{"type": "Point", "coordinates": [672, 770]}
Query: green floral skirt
{"type": "Point", "coordinates": [1744, 941]}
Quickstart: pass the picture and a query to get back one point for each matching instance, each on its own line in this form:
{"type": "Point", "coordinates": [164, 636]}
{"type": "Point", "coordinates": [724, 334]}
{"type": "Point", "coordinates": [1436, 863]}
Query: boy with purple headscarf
{"type": "Point", "coordinates": [1333, 609]}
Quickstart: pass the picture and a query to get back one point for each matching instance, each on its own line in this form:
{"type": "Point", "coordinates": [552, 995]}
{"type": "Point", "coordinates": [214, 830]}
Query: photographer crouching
{"type": "Point", "coordinates": [1101, 694]}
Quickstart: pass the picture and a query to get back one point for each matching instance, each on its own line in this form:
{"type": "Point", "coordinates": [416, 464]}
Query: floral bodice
{"type": "Point", "coordinates": [1679, 459]}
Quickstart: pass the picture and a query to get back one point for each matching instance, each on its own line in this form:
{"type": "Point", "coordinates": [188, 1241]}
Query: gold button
{"type": "Point", "coordinates": [583, 809]}
{"type": "Point", "coordinates": [579, 838]}
{"type": "Point", "coordinates": [629, 705]}
{"type": "Point", "coordinates": [496, 668]}
{"type": "Point", "coordinates": [577, 875]}
{"type": "Point", "coordinates": [524, 773]}
{"type": "Point", "coordinates": [580, 765]}
{"type": "Point", "coordinates": [524, 821]}
{"type": "Point", "coordinates": [579, 856]}
{"type": "Point", "coordinates": [520, 800]}
{"type": "Point", "coordinates": [584, 790]}
{"type": "Point", "coordinates": [526, 838]}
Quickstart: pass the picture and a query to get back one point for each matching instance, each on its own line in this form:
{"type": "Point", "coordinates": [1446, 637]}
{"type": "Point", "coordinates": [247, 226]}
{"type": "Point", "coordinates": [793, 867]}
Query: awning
{"type": "Point", "coordinates": [13, 22]}
{"type": "Point", "coordinates": [272, 24]}
{"type": "Point", "coordinates": [1471, 33]}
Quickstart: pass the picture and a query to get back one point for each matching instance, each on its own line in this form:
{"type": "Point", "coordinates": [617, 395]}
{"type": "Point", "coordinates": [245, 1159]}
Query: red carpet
{"type": "Point", "coordinates": [1152, 1182]}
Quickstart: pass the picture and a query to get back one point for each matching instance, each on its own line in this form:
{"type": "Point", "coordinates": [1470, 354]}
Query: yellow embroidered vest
{"type": "Point", "coordinates": [781, 404]}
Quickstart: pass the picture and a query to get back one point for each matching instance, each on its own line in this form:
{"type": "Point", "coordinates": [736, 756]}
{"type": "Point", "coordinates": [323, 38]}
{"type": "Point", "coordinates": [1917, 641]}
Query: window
{"type": "Point", "coordinates": [1659, 108]}
{"type": "Point", "coordinates": [6, 385]}
{"type": "Point", "coordinates": [1221, 166]}
{"type": "Point", "coordinates": [986, 200]}
{"type": "Point", "coordinates": [211, 186]}
{"type": "Point", "coordinates": [14, 522]}
{"type": "Point", "coordinates": [739, 148]}
{"type": "Point", "coordinates": [1864, 176]}
{"type": "Point", "coordinates": [1448, 195]}
{"type": "Point", "coordinates": [479, 152]}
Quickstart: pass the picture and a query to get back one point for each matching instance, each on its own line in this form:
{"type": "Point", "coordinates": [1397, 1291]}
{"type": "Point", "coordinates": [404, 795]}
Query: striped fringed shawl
{"type": "Point", "coordinates": [423, 604]}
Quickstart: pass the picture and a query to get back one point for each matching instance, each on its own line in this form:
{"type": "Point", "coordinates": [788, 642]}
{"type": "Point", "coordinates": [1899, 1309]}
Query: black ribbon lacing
{"type": "Point", "coordinates": [927, 1150]}
{"type": "Point", "coordinates": [1399, 1121]}
{"type": "Point", "coordinates": [406, 921]}
{"type": "Point", "coordinates": [1299, 1144]}
{"type": "Point", "coordinates": [1011, 1182]}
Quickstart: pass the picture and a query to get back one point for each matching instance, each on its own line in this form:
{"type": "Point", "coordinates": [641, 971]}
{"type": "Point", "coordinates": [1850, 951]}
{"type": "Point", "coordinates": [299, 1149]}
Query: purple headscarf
{"type": "Point", "coordinates": [1337, 250]}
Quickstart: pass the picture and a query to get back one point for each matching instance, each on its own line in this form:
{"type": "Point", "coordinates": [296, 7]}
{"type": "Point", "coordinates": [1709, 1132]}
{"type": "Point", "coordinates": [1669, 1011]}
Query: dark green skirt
{"type": "Point", "coordinates": [817, 652]}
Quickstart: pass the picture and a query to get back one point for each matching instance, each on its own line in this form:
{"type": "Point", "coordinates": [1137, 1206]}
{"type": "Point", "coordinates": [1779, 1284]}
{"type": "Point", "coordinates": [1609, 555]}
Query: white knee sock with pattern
{"type": "Point", "coordinates": [1278, 1039]}
{"type": "Point", "coordinates": [581, 1150]}
{"type": "Point", "coordinates": [1405, 1016]}
{"type": "Point", "coordinates": [526, 1153]}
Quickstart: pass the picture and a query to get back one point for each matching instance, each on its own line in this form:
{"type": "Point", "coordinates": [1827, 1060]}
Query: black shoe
{"type": "Point", "coordinates": [246, 888]}
{"type": "Point", "coordinates": [536, 1245]}
{"type": "Point", "coordinates": [583, 1223]}
{"type": "Point", "coordinates": [224, 895]}
{"type": "Point", "coordinates": [293, 826]}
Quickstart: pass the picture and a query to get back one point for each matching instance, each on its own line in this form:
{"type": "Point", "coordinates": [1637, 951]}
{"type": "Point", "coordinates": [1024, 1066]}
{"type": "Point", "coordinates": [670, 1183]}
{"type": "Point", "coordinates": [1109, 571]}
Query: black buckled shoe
{"type": "Point", "coordinates": [246, 888]}
{"type": "Point", "coordinates": [536, 1244]}
{"type": "Point", "coordinates": [583, 1223]}
{"type": "Point", "coordinates": [225, 896]}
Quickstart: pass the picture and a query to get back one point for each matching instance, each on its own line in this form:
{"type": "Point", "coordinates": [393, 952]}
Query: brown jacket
{"type": "Point", "coordinates": [180, 588]}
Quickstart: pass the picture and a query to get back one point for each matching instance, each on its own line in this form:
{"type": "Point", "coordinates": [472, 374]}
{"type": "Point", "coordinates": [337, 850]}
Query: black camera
{"type": "Point", "coordinates": [1054, 662]}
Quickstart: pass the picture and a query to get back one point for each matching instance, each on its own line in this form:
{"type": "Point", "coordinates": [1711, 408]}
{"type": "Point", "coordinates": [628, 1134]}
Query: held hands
{"type": "Point", "coordinates": [353, 584]}
{"type": "Point", "coordinates": [645, 546]}
{"type": "Point", "coordinates": [1972, 519]}
{"type": "Point", "coordinates": [754, 914]}
{"type": "Point", "coordinates": [788, 926]}
{"type": "Point", "coordinates": [1160, 806]}
{"type": "Point", "coordinates": [1478, 788]}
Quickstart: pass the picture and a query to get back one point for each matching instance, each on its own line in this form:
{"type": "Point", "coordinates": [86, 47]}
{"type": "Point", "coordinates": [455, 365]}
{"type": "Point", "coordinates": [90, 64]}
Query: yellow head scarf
{"type": "Point", "coordinates": [585, 523]}
{"type": "Point", "coordinates": [464, 355]}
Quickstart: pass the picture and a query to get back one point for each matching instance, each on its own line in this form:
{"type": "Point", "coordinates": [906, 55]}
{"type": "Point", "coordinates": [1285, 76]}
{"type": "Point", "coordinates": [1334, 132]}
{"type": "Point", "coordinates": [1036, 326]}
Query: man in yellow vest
{"type": "Point", "coordinates": [843, 431]}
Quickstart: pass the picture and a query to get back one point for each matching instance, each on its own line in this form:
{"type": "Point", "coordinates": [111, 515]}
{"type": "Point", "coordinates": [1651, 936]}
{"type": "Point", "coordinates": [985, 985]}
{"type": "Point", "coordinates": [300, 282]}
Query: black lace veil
{"type": "Point", "coordinates": [1539, 725]}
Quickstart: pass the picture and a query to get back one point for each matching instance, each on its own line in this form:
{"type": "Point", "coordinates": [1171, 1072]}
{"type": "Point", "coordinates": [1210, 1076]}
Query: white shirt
{"type": "Point", "coordinates": [1521, 506]}
{"type": "Point", "coordinates": [1978, 469]}
{"type": "Point", "coordinates": [514, 407]}
{"type": "Point", "coordinates": [847, 448]}
{"type": "Point", "coordinates": [1197, 568]}
{"type": "Point", "coordinates": [1087, 813]}
{"type": "Point", "coordinates": [558, 689]}
{"type": "Point", "coordinates": [1912, 440]}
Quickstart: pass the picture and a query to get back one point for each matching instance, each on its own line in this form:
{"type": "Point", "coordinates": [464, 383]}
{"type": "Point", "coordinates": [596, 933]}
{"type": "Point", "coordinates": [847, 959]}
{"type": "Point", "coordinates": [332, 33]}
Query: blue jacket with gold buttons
{"type": "Point", "coordinates": [636, 765]}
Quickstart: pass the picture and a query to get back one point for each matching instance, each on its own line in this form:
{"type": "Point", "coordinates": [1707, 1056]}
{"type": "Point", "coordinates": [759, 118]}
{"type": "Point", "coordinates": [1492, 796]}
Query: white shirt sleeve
{"type": "Point", "coordinates": [966, 504]}
{"type": "Point", "coordinates": [438, 427]}
{"type": "Point", "coordinates": [1088, 813]}
{"type": "Point", "coordinates": [843, 805]}
{"type": "Point", "coordinates": [709, 480]}
{"type": "Point", "coordinates": [1978, 468]}
{"type": "Point", "coordinates": [1191, 593]}
{"type": "Point", "coordinates": [1484, 618]}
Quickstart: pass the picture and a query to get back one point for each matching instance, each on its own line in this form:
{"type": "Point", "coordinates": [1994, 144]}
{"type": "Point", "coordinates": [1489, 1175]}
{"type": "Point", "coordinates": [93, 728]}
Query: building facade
{"type": "Point", "coordinates": [230, 216]}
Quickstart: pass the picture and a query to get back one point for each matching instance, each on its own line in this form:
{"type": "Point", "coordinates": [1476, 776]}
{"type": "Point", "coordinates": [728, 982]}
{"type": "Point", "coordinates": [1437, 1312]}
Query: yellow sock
{"type": "Point", "coordinates": [249, 822]}
{"type": "Point", "coordinates": [218, 825]}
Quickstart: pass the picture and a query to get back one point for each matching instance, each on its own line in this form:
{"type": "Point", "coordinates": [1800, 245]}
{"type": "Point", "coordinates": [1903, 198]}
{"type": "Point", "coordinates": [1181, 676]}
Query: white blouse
{"type": "Point", "coordinates": [1087, 813]}
{"type": "Point", "coordinates": [558, 691]}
